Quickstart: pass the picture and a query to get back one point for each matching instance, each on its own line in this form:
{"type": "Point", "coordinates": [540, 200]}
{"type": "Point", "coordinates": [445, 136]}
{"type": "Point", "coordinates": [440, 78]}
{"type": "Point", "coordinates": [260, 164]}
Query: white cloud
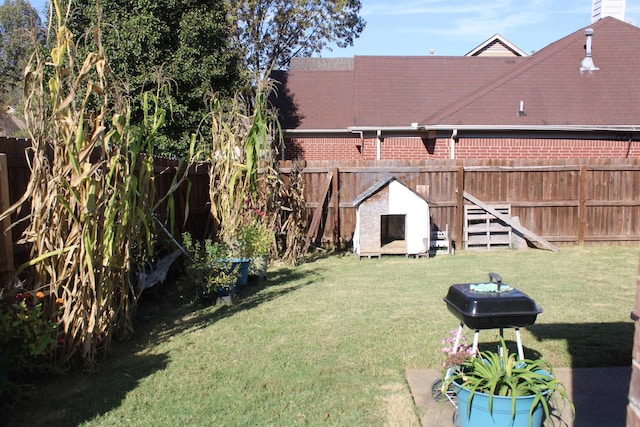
{"type": "Point", "coordinates": [428, 7]}
{"type": "Point", "coordinates": [463, 20]}
{"type": "Point", "coordinates": [451, 26]}
{"type": "Point", "coordinates": [442, 7]}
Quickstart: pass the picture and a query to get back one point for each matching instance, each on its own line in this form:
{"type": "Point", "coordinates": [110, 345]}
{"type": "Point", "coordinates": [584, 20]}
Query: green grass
{"type": "Point", "coordinates": [327, 343]}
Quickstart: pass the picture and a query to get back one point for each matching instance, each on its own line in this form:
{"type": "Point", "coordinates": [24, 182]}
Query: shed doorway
{"type": "Point", "coordinates": [392, 234]}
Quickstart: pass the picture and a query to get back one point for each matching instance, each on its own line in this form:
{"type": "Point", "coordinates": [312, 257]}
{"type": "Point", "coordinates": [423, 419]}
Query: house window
{"type": "Point", "coordinates": [391, 228]}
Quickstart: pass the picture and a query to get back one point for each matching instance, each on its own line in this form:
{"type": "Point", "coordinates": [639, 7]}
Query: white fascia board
{"type": "Point", "coordinates": [400, 131]}
{"type": "Point", "coordinates": [552, 128]}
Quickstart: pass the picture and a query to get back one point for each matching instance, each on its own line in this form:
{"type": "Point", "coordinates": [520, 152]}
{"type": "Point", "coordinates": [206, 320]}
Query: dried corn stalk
{"type": "Point", "coordinates": [293, 220]}
{"type": "Point", "coordinates": [240, 144]}
{"type": "Point", "coordinates": [91, 190]}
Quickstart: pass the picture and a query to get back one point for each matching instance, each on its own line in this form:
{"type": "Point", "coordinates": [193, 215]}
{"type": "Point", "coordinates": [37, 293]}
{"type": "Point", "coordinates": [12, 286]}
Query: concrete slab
{"type": "Point", "coordinates": [599, 395]}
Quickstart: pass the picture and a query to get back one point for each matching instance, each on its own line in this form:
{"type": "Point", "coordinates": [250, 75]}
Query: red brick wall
{"type": "Point", "coordinates": [514, 148]}
{"type": "Point", "coordinates": [322, 149]}
{"type": "Point", "coordinates": [416, 148]}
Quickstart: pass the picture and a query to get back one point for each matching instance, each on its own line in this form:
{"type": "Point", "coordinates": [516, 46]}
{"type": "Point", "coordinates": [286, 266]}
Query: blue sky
{"type": "Point", "coordinates": [454, 27]}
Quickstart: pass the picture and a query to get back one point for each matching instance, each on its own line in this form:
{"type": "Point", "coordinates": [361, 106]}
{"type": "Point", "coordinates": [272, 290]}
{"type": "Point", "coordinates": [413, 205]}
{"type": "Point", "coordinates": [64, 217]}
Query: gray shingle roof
{"type": "Point", "coordinates": [385, 91]}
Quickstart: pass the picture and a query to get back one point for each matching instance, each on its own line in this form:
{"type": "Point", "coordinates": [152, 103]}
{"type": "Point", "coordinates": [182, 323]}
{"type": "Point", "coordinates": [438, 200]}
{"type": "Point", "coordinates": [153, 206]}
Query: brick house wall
{"type": "Point", "coordinates": [438, 148]}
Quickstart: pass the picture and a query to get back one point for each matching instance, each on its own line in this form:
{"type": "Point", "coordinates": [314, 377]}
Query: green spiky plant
{"type": "Point", "coordinates": [503, 374]}
{"type": "Point", "coordinates": [91, 191]}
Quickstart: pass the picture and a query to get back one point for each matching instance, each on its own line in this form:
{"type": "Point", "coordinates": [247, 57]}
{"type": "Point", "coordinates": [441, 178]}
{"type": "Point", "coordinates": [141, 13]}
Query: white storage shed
{"type": "Point", "coordinates": [391, 219]}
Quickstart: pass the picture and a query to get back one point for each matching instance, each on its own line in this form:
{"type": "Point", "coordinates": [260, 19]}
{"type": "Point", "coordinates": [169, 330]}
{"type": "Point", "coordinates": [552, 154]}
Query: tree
{"type": "Point", "coordinates": [270, 32]}
{"type": "Point", "coordinates": [20, 29]}
{"type": "Point", "coordinates": [184, 42]}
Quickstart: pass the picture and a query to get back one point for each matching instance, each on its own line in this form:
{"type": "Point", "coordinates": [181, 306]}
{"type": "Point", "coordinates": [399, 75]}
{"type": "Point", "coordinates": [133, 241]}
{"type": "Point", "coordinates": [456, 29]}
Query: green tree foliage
{"type": "Point", "coordinates": [20, 28]}
{"type": "Point", "coordinates": [269, 33]}
{"type": "Point", "coordinates": [183, 42]}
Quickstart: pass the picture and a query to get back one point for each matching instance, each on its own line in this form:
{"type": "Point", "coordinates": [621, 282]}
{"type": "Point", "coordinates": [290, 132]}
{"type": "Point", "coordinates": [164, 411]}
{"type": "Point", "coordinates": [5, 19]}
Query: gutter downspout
{"type": "Point", "coordinates": [452, 144]}
{"type": "Point", "coordinates": [379, 140]}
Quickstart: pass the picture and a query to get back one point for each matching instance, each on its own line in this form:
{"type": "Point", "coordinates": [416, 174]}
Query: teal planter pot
{"type": "Point", "coordinates": [243, 269]}
{"type": "Point", "coordinates": [478, 415]}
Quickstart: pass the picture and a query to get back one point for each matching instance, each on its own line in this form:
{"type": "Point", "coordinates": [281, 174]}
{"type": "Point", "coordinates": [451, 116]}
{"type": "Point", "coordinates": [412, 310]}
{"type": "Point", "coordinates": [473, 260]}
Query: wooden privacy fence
{"type": "Point", "coordinates": [14, 178]}
{"type": "Point", "coordinates": [561, 201]}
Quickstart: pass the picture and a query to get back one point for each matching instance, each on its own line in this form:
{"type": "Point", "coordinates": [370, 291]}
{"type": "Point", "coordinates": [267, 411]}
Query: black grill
{"type": "Point", "coordinates": [507, 307]}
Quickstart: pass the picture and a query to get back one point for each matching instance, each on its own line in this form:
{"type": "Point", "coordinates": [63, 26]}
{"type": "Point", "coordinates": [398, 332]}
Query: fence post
{"type": "Point", "coordinates": [458, 230]}
{"type": "Point", "coordinates": [335, 193]}
{"type": "Point", "coordinates": [582, 204]}
{"type": "Point", "coordinates": [6, 242]}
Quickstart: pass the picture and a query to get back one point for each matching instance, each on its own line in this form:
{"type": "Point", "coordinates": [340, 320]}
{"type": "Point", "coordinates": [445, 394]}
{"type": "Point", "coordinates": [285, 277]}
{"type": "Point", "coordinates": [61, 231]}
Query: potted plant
{"type": "Point", "coordinates": [252, 239]}
{"type": "Point", "coordinates": [498, 389]}
{"type": "Point", "coordinates": [210, 267]}
{"type": "Point", "coordinates": [255, 242]}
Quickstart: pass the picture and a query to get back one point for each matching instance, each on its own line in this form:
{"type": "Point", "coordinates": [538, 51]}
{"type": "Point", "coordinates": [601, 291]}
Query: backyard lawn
{"type": "Point", "coordinates": [327, 342]}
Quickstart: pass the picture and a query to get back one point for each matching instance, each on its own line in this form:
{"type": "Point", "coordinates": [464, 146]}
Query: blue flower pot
{"type": "Point", "coordinates": [243, 269]}
{"type": "Point", "coordinates": [501, 415]}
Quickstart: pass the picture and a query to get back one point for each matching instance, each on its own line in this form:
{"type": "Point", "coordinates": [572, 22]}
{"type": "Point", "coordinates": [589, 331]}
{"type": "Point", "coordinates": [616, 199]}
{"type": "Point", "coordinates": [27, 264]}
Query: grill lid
{"type": "Point", "coordinates": [491, 305]}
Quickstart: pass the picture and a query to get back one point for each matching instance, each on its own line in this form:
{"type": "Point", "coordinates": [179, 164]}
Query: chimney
{"type": "Point", "coordinates": [603, 8]}
{"type": "Point", "coordinates": [587, 62]}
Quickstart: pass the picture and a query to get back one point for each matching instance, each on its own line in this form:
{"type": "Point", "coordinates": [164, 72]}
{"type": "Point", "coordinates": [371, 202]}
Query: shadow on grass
{"type": "Point", "coordinates": [76, 398]}
{"type": "Point", "coordinates": [600, 394]}
{"type": "Point", "coordinates": [591, 344]}
{"type": "Point", "coordinates": [63, 400]}
{"type": "Point", "coordinates": [248, 297]}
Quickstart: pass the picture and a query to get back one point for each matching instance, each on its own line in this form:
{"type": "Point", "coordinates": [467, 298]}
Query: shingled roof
{"type": "Point", "coordinates": [387, 91]}
{"type": "Point", "coordinates": [555, 92]}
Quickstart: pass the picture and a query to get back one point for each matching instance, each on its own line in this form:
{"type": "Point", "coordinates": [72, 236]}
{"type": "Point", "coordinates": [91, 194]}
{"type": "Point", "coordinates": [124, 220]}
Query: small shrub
{"type": "Point", "coordinates": [208, 267]}
{"type": "Point", "coordinates": [28, 329]}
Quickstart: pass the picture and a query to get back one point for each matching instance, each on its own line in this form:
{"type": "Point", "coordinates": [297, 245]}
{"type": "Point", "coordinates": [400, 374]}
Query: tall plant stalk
{"type": "Point", "coordinates": [240, 146]}
{"type": "Point", "coordinates": [91, 190]}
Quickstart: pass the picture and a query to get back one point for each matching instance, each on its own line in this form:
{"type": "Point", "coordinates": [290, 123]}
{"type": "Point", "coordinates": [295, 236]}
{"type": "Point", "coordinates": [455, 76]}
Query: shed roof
{"type": "Point", "coordinates": [373, 189]}
{"type": "Point", "coordinates": [377, 186]}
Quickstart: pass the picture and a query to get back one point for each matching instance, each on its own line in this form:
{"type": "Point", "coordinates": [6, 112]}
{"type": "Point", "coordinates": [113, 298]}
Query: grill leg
{"type": "Point", "coordinates": [454, 349]}
{"type": "Point", "coordinates": [476, 336]}
{"type": "Point", "coordinates": [519, 343]}
{"type": "Point", "coordinates": [456, 342]}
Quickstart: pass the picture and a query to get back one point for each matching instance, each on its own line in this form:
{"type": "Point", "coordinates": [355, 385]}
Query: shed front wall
{"type": "Point", "coordinates": [403, 201]}
{"type": "Point", "coordinates": [369, 221]}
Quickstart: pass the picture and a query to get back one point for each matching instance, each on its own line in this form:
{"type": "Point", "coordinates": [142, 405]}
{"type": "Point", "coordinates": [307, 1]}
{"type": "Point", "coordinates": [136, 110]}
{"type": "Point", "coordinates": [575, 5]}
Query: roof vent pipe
{"type": "Point", "coordinates": [587, 62]}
